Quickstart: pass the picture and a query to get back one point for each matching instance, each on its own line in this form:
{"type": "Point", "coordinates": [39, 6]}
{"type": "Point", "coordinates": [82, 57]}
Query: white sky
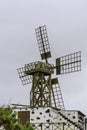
{"type": "Point", "coordinates": [66, 22]}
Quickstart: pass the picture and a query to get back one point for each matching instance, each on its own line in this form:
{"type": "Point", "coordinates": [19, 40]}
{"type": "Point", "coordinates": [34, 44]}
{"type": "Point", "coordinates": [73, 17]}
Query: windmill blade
{"type": "Point", "coordinates": [26, 79]}
{"type": "Point", "coordinates": [25, 73]}
{"type": "Point", "coordinates": [43, 43]}
{"type": "Point", "coordinates": [69, 63]}
{"type": "Point", "coordinates": [57, 99]}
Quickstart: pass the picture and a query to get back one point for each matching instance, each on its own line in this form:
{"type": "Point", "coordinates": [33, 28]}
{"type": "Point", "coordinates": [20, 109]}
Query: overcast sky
{"type": "Point", "coordinates": [66, 22]}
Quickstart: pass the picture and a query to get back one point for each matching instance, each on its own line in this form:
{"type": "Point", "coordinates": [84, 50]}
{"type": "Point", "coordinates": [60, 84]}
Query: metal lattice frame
{"type": "Point", "coordinates": [69, 63]}
{"type": "Point", "coordinates": [41, 90]}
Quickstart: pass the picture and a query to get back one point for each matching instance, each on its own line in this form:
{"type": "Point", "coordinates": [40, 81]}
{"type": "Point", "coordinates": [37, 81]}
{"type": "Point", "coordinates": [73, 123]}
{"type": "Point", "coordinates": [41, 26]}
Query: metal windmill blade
{"type": "Point", "coordinates": [25, 73]}
{"type": "Point", "coordinates": [26, 79]}
{"type": "Point", "coordinates": [43, 43]}
{"type": "Point", "coordinates": [69, 63]}
{"type": "Point", "coordinates": [57, 99]}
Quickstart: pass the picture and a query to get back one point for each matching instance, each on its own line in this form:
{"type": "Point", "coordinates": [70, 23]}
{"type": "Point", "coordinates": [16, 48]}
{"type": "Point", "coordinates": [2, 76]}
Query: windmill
{"type": "Point", "coordinates": [45, 91]}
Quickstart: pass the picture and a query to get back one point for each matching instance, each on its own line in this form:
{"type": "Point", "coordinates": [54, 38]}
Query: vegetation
{"type": "Point", "coordinates": [9, 122]}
